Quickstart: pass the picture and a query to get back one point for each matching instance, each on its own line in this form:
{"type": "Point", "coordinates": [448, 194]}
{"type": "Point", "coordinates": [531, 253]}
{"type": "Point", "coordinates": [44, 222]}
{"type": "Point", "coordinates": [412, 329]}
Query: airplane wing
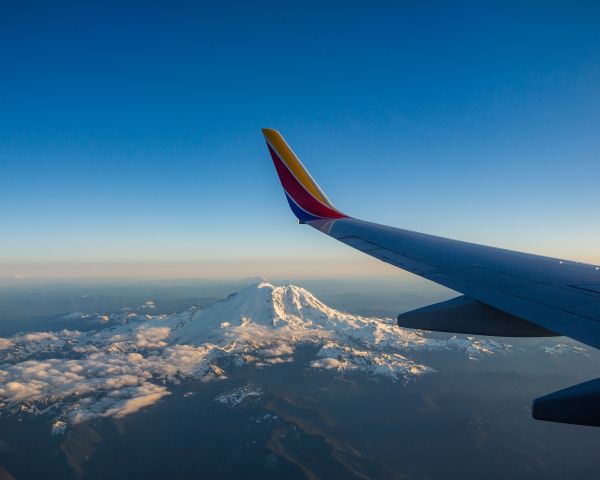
{"type": "Point", "coordinates": [505, 293]}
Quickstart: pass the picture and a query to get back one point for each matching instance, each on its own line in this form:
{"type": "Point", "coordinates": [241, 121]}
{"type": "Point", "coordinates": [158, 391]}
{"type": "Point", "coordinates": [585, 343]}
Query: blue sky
{"type": "Point", "coordinates": [130, 132]}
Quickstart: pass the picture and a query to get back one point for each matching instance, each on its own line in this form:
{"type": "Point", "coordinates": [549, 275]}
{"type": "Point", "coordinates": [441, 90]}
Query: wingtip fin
{"type": "Point", "coordinates": [306, 199]}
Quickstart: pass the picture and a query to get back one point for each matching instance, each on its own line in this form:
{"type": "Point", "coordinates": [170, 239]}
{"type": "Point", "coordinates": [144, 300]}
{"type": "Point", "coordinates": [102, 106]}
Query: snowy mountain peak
{"type": "Point", "coordinates": [285, 303]}
{"type": "Point", "coordinates": [265, 305]}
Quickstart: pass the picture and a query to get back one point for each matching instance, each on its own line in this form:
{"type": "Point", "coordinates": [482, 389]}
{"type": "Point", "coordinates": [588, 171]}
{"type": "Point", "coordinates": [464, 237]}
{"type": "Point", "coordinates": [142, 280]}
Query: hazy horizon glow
{"type": "Point", "coordinates": [130, 141]}
{"type": "Point", "coordinates": [268, 269]}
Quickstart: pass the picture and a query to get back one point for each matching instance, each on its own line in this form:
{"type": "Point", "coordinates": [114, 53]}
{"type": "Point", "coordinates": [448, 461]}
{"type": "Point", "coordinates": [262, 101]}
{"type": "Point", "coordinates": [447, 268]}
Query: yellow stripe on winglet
{"type": "Point", "coordinates": [295, 165]}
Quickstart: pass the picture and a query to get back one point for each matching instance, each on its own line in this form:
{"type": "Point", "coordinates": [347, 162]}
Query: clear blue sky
{"type": "Point", "coordinates": [131, 132]}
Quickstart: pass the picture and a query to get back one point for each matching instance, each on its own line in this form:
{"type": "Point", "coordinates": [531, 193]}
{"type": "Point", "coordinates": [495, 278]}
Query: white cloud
{"type": "Point", "coordinates": [276, 360]}
{"type": "Point", "coordinates": [152, 337]}
{"type": "Point", "coordinates": [277, 350]}
{"type": "Point", "coordinates": [38, 337]}
{"type": "Point", "coordinates": [326, 363]}
{"type": "Point", "coordinates": [106, 383]}
{"type": "Point", "coordinates": [118, 403]}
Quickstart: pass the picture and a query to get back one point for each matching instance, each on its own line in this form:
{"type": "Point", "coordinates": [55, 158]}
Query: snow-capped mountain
{"type": "Point", "coordinates": [124, 367]}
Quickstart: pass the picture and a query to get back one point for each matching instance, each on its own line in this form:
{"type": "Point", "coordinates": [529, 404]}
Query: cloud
{"type": "Point", "coordinates": [277, 350]}
{"type": "Point", "coordinates": [118, 403]}
{"type": "Point", "coordinates": [107, 384]}
{"type": "Point", "coordinates": [326, 363]}
{"type": "Point", "coordinates": [152, 337]}
{"type": "Point", "coordinates": [38, 337]}
{"type": "Point", "coordinates": [277, 360]}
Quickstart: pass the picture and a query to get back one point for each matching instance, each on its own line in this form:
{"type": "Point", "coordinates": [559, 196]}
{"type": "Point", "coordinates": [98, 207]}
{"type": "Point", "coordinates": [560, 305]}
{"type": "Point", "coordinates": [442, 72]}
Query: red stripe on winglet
{"type": "Point", "coordinates": [295, 189]}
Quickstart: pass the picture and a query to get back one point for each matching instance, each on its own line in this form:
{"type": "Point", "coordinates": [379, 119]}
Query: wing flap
{"type": "Point", "coordinates": [466, 315]}
{"type": "Point", "coordinates": [575, 405]}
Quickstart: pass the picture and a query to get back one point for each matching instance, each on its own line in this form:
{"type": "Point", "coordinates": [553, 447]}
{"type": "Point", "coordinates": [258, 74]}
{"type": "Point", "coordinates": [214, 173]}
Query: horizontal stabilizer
{"type": "Point", "coordinates": [578, 405]}
{"type": "Point", "coordinates": [465, 315]}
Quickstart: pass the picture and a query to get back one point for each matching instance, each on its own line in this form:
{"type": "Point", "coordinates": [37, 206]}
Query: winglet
{"type": "Point", "coordinates": [306, 199]}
